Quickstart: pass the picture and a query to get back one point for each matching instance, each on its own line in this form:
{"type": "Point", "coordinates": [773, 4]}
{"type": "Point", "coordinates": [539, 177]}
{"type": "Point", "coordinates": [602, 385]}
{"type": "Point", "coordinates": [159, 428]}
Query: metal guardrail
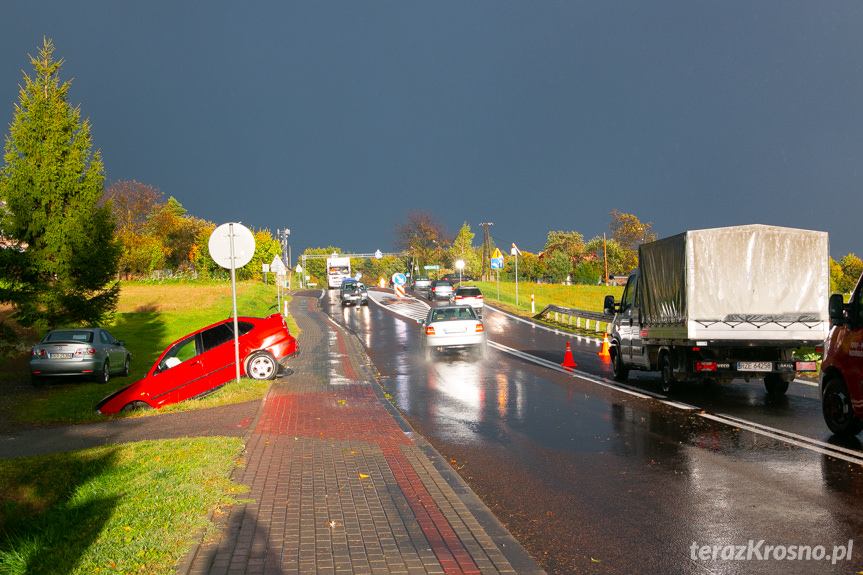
{"type": "Point", "coordinates": [561, 314]}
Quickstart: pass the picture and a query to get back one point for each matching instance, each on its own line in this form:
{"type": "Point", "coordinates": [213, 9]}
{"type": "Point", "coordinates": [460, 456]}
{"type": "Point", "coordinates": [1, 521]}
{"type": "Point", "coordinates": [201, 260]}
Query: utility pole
{"type": "Point", "coordinates": [605, 256]}
{"type": "Point", "coordinates": [486, 251]}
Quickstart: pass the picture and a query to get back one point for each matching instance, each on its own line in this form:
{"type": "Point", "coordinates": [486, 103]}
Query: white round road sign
{"type": "Point", "coordinates": [399, 279]}
{"type": "Point", "coordinates": [221, 247]}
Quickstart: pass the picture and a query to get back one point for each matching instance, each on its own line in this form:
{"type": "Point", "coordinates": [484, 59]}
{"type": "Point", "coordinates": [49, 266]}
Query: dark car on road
{"type": "Point", "coordinates": [90, 352]}
{"type": "Point", "coordinates": [203, 361]}
{"type": "Point", "coordinates": [353, 292]}
{"type": "Point", "coordinates": [440, 289]}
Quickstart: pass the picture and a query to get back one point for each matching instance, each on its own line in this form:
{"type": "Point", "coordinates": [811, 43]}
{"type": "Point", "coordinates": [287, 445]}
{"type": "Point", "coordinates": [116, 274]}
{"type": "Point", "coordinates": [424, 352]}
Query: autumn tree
{"type": "Point", "coordinates": [852, 267]}
{"type": "Point", "coordinates": [422, 236]}
{"type": "Point", "coordinates": [529, 266]}
{"type": "Point", "coordinates": [205, 266]}
{"type": "Point", "coordinates": [558, 266]}
{"type": "Point", "coordinates": [63, 256]}
{"type": "Point", "coordinates": [462, 249]}
{"type": "Point", "coordinates": [178, 232]}
{"type": "Point", "coordinates": [133, 205]}
{"type": "Point", "coordinates": [267, 247]}
{"type": "Point", "coordinates": [609, 250]}
{"type": "Point", "coordinates": [569, 243]}
{"type": "Point", "coordinates": [837, 276]}
{"type": "Point", "coordinates": [630, 233]}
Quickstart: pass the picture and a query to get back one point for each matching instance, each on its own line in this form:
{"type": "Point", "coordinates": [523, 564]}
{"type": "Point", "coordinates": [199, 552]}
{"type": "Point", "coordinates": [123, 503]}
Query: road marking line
{"type": "Point", "coordinates": [789, 437]}
{"type": "Point", "coordinates": [584, 375]}
{"type": "Point", "coordinates": [678, 405]}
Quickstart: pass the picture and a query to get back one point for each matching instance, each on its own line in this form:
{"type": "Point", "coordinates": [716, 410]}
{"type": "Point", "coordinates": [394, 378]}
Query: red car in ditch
{"type": "Point", "coordinates": [204, 361]}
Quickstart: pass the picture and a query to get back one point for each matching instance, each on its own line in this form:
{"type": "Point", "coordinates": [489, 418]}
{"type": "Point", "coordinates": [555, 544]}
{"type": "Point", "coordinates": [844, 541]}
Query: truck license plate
{"type": "Point", "coordinates": [754, 366]}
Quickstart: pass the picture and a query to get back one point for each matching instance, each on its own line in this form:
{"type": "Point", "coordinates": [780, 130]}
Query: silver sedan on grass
{"type": "Point", "coordinates": [453, 327]}
{"type": "Point", "coordinates": [91, 352]}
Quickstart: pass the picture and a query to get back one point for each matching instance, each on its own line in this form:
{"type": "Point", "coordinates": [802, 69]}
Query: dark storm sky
{"type": "Point", "coordinates": [335, 118]}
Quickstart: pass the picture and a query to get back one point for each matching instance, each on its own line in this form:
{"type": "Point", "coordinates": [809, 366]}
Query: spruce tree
{"type": "Point", "coordinates": [60, 256]}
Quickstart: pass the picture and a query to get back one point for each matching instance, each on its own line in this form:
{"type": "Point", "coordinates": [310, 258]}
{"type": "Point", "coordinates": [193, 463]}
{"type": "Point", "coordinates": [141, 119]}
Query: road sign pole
{"type": "Point", "coordinates": [234, 295]}
{"type": "Point", "coordinates": [238, 252]}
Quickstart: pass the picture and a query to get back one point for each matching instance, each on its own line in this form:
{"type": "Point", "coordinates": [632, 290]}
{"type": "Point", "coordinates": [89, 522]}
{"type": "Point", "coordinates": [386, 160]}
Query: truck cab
{"type": "Point", "coordinates": [627, 347]}
{"type": "Point", "coordinates": [841, 380]}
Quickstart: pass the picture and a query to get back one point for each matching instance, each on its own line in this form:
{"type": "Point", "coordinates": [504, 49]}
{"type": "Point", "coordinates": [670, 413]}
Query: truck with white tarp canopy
{"type": "Point", "coordinates": [724, 303]}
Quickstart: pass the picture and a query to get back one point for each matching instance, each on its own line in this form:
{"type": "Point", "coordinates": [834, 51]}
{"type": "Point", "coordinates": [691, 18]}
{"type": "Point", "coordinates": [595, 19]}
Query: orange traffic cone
{"type": "Point", "coordinates": [603, 351]}
{"type": "Point", "coordinates": [567, 357]}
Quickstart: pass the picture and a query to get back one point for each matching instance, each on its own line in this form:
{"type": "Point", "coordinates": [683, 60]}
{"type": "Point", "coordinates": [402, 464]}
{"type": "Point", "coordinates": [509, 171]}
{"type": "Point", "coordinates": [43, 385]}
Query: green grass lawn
{"type": "Point", "coordinates": [580, 297]}
{"type": "Point", "coordinates": [132, 508]}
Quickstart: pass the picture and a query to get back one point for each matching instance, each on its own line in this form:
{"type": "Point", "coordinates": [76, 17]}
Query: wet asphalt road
{"type": "Point", "coordinates": [593, 478]}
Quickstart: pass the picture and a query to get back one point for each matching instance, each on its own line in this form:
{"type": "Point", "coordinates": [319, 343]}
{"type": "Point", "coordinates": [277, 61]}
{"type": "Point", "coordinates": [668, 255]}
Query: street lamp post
{"type": "Point", "coordinates": [283, 236]}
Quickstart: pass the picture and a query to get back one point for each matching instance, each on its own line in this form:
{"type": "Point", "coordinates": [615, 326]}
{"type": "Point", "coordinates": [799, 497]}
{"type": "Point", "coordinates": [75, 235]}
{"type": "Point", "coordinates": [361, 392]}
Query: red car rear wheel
{"type": "Point", "coordinates": [262, 365]}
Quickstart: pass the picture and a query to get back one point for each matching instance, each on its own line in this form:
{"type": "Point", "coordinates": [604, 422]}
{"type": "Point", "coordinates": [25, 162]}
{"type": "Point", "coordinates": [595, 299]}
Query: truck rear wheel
{"type": "Point", "coordinates": [837, 410]}
{"type": "Point", "coordinates": [667, 372]}
{"type": "Point", "coordinates": [774, 384]}
{"type": "Point", "coordinates": [618, 369]}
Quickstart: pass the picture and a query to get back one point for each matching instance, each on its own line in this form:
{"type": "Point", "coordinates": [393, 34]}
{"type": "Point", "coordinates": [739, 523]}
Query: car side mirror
{"type": "Point", "coordinates": [479, 316]}
{"type": "Point", "coordinates": [608, 306]}
{"type": "Point", "coordinates": [836, 309]}
{"type": "Point", "coordinates": [120, 342]}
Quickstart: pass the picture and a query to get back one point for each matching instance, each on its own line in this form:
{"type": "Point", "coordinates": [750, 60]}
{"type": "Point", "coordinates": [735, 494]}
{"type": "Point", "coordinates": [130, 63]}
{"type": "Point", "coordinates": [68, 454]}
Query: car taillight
{"type": "Point", "coordinates": [479, 328]}
{"type": "Point", "coordinates": [90, 351]}
{"type": "Point", "coordinates": [429, 330]}
{"type": "Point", "coordinates": [38, 352]}
{"type": "Point", "coordinates": [705, 366]}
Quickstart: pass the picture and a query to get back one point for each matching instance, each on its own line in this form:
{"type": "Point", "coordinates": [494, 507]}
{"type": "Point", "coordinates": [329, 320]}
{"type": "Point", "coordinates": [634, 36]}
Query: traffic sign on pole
{"type": "Point", "coordinates": [232, 246]}
{"type": "Point", "coordinates": [278, 265]}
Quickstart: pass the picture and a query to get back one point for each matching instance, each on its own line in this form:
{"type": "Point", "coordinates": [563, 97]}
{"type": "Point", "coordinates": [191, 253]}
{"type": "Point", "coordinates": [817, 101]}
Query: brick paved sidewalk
{"type": "Point", "coordinates": [337, 485]}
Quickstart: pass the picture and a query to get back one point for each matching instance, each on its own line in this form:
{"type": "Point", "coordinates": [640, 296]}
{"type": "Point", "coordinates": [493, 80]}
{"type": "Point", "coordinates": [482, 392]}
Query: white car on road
{"type": "Point", "coordinates": [467, 295]}
{"type": "Point", "coordinates": [453, 327]}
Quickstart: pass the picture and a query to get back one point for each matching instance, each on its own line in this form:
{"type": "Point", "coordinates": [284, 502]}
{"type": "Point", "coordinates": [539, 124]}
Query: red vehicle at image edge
{"type": "Point", "coordinates": [842, 365]}
{"type": "Point", "coordinates": [203, 361]}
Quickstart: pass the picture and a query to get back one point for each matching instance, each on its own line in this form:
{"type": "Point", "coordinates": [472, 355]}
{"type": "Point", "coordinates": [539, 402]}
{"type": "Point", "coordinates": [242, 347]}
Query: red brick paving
{"type": "Point", "coordinates": [353, 412]}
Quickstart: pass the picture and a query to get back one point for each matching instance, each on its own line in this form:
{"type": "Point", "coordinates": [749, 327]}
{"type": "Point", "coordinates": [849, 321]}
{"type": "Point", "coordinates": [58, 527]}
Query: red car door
{"type": "Point", "coordinates": [178, 373]}
{"type": "Point", "coordinates": [218, 355]}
